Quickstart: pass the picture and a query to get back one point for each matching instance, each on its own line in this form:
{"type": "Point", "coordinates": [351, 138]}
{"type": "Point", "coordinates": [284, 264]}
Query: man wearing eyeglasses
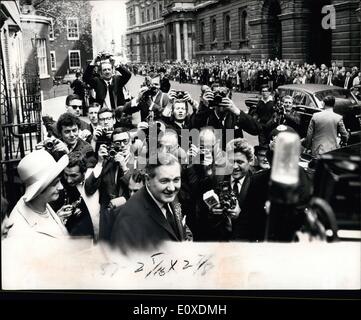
{"type": "Point", "coordinates": [111, 177]}
{"type": "Point", "coordinates": [74, 105]}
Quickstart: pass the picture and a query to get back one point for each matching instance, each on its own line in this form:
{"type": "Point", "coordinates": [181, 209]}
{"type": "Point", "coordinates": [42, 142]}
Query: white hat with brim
{"type": "Point", "coordinates": [38, 170]}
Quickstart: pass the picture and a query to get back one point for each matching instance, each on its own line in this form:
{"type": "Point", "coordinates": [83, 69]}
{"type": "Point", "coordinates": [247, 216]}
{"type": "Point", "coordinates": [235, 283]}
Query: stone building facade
{"type": "Point", "coordinates": [301, 30]}
{"type": "Point", "coordinates": [145, 32]}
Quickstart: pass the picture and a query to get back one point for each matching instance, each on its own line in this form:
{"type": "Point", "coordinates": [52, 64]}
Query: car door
{"type": "Point", "coordinates": [305, 107]}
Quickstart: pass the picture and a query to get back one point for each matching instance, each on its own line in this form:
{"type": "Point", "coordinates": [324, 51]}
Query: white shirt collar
{"type": "Point", "coordinates": [240, 182]}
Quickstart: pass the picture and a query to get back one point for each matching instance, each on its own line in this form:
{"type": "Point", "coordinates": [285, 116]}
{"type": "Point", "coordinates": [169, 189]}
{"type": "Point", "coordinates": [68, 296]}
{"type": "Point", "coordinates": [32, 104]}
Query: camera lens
{"type": "Point", "coordinates": [49, 145]}
{"type": "Point", "coordinates": [112, 153]}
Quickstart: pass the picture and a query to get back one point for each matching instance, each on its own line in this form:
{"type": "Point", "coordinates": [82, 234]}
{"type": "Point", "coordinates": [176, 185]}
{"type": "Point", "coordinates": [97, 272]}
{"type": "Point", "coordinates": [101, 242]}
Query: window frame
{"type": "Point", "coordinates": [227, 26]}
{"type": "Point", "coordinates": [69, 59]}
{"type": "Point", "coordinates": [243, 23]}
{"type": "Point", "coordinates": [202, 32]}
{"type": "Point", "coordinates": [53, 68]}
{"type": "Point", "coordinates": [42, 58]}
{"type": "Point", "coordinates": [67, 28]}
{"type": "Point", "coordinates": [51, 30]}
{"type": "Point", "coordinates": [213, 29]}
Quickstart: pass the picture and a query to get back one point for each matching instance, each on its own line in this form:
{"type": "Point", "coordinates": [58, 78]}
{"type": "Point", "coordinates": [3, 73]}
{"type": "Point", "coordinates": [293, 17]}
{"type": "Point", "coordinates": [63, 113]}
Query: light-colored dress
{"type": "Point", "coordinates": [25, 222]}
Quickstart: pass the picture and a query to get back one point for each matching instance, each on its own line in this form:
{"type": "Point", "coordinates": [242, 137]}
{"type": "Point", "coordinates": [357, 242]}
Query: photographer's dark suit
{"type": "Point", "coordinates": [257, 195]}
{"type": "Point", "coordinates": [140, 224]}
{"type": "Point", "coordinates": [100, 86]}
{"type": "Point", "coordinates": [239, 225]}
{"type": "Point", "coordinates": [208, 117]}
{"type": "Point", "coordinates": [160, 101]}
{"type": "Point", "coordinates": [204, 225]}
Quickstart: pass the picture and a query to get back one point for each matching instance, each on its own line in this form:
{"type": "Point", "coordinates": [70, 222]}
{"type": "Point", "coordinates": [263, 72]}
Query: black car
{"type": "Point", "coordinates": [308, 100]}
{"type": "Point", "coordinates": [337, 181]}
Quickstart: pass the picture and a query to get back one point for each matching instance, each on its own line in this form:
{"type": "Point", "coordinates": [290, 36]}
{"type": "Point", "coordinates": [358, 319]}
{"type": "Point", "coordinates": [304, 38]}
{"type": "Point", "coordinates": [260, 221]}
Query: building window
{"type": "Point", "coordinates": [160, 9]}
{"type": "Point", "coordinates": [53, 60]}
{"type": "Point", "coordinates": [143, 18]}
{"type": "Point", "coordinates": [243, 24]}
{"type": "Point", "coordinates": [74, 59]}
{"type": "Point", "coordinates": [227, 28]}
{"type": "Point", "coordinates": [213, 29]}
{"type": "Point", "coordinates": [42, 59]}
{"type": "Point", "coordinates": [201, 32]}
{"type": "Point", "coordinates": [148, 15]}
{"type": "Point", "coordinates": [73, 28]}
{"type": "Point", "coordinates": [154, 13]}
{"type": "Point", "coordinates": [51, 29]}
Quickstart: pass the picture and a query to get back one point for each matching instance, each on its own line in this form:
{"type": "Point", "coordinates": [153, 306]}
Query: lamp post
{"type": "Point", "coordinates": [113, 46]}
{"type": "Point", "coordinates": [358, 15]}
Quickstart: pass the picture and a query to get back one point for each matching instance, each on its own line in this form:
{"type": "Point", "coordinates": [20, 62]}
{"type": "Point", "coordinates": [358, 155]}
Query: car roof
{"type": "Point", "coordinates": [309, 87]}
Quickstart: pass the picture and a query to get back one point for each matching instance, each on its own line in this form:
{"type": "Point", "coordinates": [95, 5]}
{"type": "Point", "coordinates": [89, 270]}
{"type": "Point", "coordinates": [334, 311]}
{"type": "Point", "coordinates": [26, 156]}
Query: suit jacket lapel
{"type": "Point", "coordinates": [156, 214]}
{"type": "Point", "coordinates": [177, 212]}
{"type": "Point", "coordinates": [115, 89]}
{"type": "Point", "coordinates": [244, 189]}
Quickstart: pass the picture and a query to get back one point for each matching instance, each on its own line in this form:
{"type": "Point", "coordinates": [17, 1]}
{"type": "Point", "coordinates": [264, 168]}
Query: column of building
{"type": "Point", "coordinates": [137, 37]}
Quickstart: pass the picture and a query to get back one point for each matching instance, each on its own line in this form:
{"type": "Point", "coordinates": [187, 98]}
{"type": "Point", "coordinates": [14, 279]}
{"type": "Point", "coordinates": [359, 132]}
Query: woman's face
{"type": "Point", "coordinates": [179, 111]}
{"type": "Point", "coordinates": [51, 193]}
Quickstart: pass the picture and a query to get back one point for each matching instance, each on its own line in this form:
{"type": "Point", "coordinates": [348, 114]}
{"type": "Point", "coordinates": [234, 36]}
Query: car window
{"type": "Point", "coordinates": [309, 102]}
{"type": "Point", "coordinates": [342, 96]}
{"type": "Point", "coordinates": [299, 98]}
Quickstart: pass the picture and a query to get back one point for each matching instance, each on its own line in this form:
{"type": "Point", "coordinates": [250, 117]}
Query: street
{"type": "Point", "coordinates": [54, 107]}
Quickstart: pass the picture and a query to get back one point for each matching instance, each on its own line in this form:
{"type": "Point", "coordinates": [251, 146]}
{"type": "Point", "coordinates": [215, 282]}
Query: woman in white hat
{"type": "Point", "coordinates": [32, 215]}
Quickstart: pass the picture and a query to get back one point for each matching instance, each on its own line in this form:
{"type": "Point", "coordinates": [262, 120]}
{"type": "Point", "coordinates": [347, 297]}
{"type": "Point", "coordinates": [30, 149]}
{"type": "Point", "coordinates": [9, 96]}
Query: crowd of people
{"type": "Point", "coordinates": [164, 165]}
{"type": "Point", "coordinates": [247, 75]}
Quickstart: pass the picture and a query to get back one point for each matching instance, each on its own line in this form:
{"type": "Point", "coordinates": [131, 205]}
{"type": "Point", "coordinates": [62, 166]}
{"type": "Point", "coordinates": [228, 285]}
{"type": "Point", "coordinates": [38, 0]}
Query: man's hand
{"type": "Point", "coordinates": [60, 146]}
{"type": "Point", "coordinates": [217, 210]}
{"type": "Point", "coordinates": [229, 105]}
{"type": "Point", "coordinates": [172, 94]}
{"type": "Point", "coordinates": [84, 134]}
{"type": "Point", "coordinates": [98, 132]}
{"type": "Point", "coordinates": [65, 212]}
{"type": "Point", "coordinates": [122, 160]}
{"type": "Point", "coordinates": [117, 202]}
{"type": "Point", "coordinates": [234, 213]}
{"type": "Point", "coordinates": [207, 97]}
{"type": "Point", "coordinates": [141, 93]}
{"type": "Point", "coordinates": [102, 153]}
{"type": "Point", "coordinates": [192, 151]}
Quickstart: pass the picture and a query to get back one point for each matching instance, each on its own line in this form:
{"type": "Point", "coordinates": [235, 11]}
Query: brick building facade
{"type": "Point", "coordinates": [256, 29]}
{"type": "Point", "coordinates": [70, 34]}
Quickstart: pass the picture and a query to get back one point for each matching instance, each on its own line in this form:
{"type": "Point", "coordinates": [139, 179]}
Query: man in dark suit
{"type": "Point", "coordinates": [109, 86]}
{"type": "Point", "coordinates": [255, 202]}
{"type": "Point", "coordinates": [110, 177]}
{"type": "Point", "coordinates": [347, 81]}
{"type": "Point", "coordinates": [151, 216]}
{"type": "Point", "coordinates": [163, 81]}
{"type": "Point", "coordinates": [239, 159]}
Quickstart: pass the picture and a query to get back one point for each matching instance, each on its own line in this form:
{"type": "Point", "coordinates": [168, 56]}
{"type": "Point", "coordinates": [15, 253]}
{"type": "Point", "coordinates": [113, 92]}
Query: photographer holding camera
{"type": "Point", "coordinates": [199, 179]}
{"type": "Point", "coordinates": [103, 131]}
{"type": "Point", "coordinates": [108, 86]}
{"type": "Point", "coordinates": [287, 115]}
{"type": "Point", "coordinates": [151, 100]}
{"type": "Point", "coordinates": [216, 109]}
{"type": "Point", "coordinates": [68, 128]}
{"type": "Point", "coordinates": [111, 177]}
{"type": "Point", "coordinates": [83, 219]}
{"type": "Point", "coordinates": [179, 113]}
